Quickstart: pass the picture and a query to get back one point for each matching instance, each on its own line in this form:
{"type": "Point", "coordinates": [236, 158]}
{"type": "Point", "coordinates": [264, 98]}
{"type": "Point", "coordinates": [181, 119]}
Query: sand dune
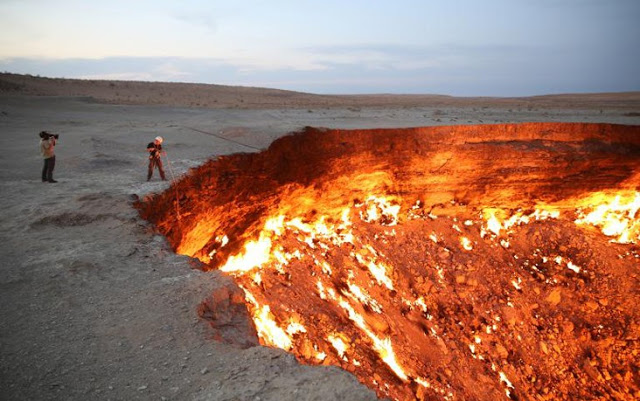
{"type": "Point", "coordinates": [220, 96]}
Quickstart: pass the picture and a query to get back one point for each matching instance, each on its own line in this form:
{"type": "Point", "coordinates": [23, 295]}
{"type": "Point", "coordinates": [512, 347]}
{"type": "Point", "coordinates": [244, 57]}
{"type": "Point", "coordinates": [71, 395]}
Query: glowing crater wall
{"type": "Point", "coordinates": [511, 166]}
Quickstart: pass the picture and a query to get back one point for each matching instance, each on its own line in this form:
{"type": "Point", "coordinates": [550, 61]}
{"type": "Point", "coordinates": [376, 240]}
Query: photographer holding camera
{"type": "Point", "coordinates": [47, 149]}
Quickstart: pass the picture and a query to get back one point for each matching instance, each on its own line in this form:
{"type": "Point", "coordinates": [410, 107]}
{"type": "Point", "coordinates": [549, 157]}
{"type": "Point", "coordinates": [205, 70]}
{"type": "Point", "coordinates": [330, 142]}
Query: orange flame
{"type": "Point", "coordinates": [615, 214]}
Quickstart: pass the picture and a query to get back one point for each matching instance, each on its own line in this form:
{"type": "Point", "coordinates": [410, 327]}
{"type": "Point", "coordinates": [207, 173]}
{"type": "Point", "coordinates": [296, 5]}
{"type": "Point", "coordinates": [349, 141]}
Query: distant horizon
{"type": "Point", "coordinates": [494, 48]}
{"type": "Point", "coordinates": [39, 76]}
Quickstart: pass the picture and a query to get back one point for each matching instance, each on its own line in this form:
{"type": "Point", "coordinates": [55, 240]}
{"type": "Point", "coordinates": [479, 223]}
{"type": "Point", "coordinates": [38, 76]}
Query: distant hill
{"type": "Point", "coordinates": [221, 96]}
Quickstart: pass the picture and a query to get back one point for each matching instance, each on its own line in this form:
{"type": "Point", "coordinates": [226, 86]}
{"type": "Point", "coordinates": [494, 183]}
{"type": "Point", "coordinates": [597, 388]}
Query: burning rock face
{"type": "Point", "coordinates": [467, 262]}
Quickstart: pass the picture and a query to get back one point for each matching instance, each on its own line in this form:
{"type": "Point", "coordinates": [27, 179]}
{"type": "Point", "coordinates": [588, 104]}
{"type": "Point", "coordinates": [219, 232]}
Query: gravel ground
{"type": "Point", "coordinates": [94, 304]}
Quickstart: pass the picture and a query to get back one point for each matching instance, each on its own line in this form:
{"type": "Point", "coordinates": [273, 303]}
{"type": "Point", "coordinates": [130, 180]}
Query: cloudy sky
{"type": "Point", "coordinates": [455, 47]}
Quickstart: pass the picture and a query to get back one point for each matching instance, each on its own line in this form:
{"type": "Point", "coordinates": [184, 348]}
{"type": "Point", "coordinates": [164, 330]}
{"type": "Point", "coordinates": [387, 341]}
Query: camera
{"type": "Point", "coordinates": [47, 135]}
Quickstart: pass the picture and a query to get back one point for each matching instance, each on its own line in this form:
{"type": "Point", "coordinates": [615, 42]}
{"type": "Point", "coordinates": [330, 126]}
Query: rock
{"type": "Point", "coordinates": [528, 370]}
{"type": "Point", "coordinates": [591, 371]}
{"type": "Point", "coordinates": [444, 255]}
{"type": "Point", "coordinates": [424, 286]}
{"type": "Point", "coordinates": [142, 388]}
{"type": "Point", "coordinates": [227, 313]}
{"type": "Point", "coordinates": [377, 322]}
{"type": "Point", "coordinates": [567, 326]}
{"type": "Point", "coordinates": [502, 351]}
{"type": "Point", "coordinates": [554, 297]}
{"type": "Point", "coordinates": [306, 349]}
{"type": "Point", "coordinates": [543, 347]}
{"type": "Point", "coordinates": [421, 393]}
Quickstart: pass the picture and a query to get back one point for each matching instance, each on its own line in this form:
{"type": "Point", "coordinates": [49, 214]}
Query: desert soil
{"type": "Point", "coordinates": [94, 303]}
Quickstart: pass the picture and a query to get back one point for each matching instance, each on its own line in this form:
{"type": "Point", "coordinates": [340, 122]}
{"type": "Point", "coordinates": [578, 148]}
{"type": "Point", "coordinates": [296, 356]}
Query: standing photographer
{"type": "Point", "coordinates": [155, 151]}
{"type": "Point", "coordinates": [47, 148]}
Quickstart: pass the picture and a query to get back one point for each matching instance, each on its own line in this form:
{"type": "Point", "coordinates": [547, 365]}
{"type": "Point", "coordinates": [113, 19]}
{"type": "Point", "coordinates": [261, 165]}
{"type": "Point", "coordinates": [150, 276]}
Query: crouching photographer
{"type": "Point", "coordinates": [47, 149]}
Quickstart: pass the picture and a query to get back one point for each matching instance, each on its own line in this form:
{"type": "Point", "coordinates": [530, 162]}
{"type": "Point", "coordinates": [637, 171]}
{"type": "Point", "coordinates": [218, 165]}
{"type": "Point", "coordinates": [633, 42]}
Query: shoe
{"type": "Point", "coordinates": [52, 181]}
{"type": "Point", "coordinates": [44, 180]}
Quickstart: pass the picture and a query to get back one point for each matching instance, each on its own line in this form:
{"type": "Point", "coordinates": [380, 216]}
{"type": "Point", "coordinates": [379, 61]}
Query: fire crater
{"type": "Point", "coordinates": [464, 262]}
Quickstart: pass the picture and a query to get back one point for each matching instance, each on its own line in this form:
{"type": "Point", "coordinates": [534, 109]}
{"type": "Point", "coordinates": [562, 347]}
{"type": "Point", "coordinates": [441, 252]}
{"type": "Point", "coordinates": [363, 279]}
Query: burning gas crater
{"type": "Point", "coordinates": [467, 262]}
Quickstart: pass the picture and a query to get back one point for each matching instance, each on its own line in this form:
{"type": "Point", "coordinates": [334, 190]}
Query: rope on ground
{"type": "Point", "coordinates": [173, 177]}
{"type": "Point", "coordinates": [223, 138]}
{"type": "Point", "coordinates": [175, 186]}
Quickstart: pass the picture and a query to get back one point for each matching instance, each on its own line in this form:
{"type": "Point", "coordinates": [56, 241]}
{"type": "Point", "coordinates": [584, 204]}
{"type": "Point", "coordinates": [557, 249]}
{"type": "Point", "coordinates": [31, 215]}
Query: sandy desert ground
{"type": "Point", "coordinates": [94, 304]}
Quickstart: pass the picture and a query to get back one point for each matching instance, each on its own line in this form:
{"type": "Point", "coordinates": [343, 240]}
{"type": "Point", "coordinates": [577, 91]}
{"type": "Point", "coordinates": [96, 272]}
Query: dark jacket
{"type": "Point", "coordinates": [157, 149]}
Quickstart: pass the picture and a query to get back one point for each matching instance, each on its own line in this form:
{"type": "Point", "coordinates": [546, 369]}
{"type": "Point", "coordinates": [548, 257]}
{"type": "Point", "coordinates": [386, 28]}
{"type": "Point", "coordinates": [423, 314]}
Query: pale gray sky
{"type": "Point", "coordinates": [457, 47]}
